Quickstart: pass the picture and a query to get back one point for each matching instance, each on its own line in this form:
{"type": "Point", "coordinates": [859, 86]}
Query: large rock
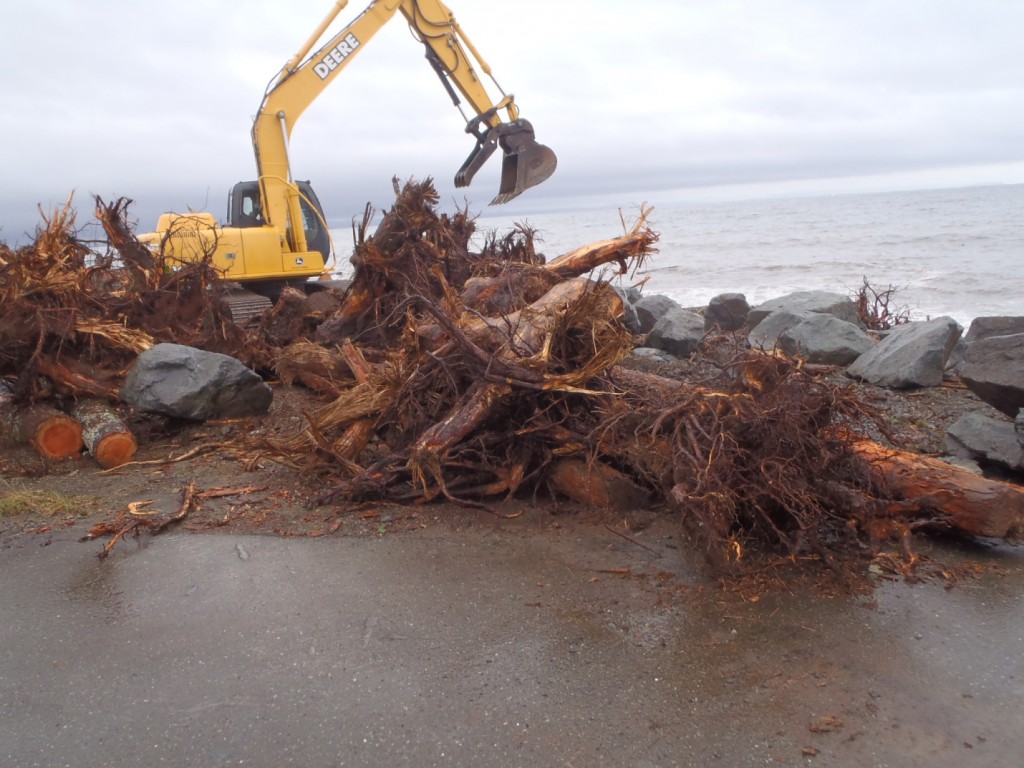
{"type": "Point", "coordinates": [912, 355]}
{"type": "Point", "coordinates": [726, 312]}
{"type": "Point", "coordinates": [765, 335]}
{"type": "Point", "coordinates": [978, 437]}
{"type": "Point", "coordinates": [812, 336]}
{"type": "Point", "coordinates": [187, 383]}
{"type": "Point", "coordinates": [825, 339]}
{"type": "Point", "coordinates": [678, 332]}
{"type": "Point", "coordinates": [650, 309]}
{"type": "Point", "coordinates": [993, 369]}
{"type": "Point", "coordinates": [983, 328]}
{"type": "Point", "coordinates": [825, 302]}
{"type": "Point", "coordinates": [997, 325]}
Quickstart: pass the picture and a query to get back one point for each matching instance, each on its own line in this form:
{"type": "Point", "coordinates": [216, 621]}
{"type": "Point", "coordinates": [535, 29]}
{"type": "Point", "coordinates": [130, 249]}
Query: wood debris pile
{"type": "Point", "coordinates": [73, 320]}
{"type": "Point", "coordinates": [474, 376]}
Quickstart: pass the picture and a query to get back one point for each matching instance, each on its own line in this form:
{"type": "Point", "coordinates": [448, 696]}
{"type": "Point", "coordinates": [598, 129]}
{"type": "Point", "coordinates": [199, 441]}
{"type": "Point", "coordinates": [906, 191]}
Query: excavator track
{"type": "Point", "coordinates": [243, 304]}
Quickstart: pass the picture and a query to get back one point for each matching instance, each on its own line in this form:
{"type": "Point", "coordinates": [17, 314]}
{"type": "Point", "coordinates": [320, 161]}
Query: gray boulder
{"type": "Point", "coordinates": [825, 339]}
{"type": "Point", "coordinates": [911, 355]}
{"type": "Point", "coordinates": [993, 369]}
{"type": "Point", "coordinates": [1000, 325]}
{"type": "Point", "coordinates": [825, 302]}
{"type": "Point", "coordinates": [1018, 426]}
{"type": "Point", "coordinates": [979, 437]}
{"type": "Point", "coordinates": [813, 336]}
{"type": "Point", "coordinates": [650, 309]}
{"type": "Point", "coordinates": [765, 335]}
{"type": "Point", "coordinates": [727, 312]}
{"type": "Point", "coordinates": [678, 332]}
{"type": "Point", "coordinates": [187, 383]}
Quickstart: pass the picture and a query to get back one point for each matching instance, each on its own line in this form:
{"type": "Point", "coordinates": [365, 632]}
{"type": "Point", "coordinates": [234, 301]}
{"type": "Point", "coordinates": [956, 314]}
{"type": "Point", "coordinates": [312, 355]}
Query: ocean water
{"type": "Point", "coordinates": [955, 252]}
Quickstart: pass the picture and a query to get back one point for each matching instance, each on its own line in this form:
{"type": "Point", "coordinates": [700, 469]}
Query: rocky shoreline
{"type": "Point", "coordinates": [954, 394]}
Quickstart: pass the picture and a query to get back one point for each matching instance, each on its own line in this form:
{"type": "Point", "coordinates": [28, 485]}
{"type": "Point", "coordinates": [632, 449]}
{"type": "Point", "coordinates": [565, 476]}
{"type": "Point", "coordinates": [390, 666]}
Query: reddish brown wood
{"type": "Point", "coordinates": [54, 434]}
{"type": "Point", "coordinates": [595, 484]}
{"type": "Point", "coordinates": [967, 502]}
{"type": "Point", "coordinates": [105, 435]}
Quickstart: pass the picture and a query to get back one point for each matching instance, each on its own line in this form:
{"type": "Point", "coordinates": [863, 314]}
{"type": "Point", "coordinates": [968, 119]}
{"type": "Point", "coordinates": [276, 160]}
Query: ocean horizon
{"type": "Point", "coordinates": [955, 252]}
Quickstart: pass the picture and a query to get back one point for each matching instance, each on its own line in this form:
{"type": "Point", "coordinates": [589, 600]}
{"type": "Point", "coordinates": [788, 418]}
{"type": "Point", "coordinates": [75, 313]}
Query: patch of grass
{"type": "Point", "coordinates": [17, 501]}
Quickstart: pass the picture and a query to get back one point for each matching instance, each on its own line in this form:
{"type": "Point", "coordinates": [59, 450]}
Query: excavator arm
{"type": "Point", "coordinates": [306, 75]}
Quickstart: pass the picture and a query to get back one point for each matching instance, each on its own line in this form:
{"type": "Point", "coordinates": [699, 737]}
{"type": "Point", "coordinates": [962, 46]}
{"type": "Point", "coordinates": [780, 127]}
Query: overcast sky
{"type": "Point", "coordinates": [655, 100]}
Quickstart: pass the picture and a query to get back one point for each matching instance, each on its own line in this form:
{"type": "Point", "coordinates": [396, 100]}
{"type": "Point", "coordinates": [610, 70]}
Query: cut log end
{"type": "Point", "coordinates": [58, 437]}
{"type": "Point", "coordinates": [115, 449]}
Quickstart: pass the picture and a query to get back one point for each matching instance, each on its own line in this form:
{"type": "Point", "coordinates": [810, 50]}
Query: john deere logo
{"type": "Point", "coordinates": [334, 57]}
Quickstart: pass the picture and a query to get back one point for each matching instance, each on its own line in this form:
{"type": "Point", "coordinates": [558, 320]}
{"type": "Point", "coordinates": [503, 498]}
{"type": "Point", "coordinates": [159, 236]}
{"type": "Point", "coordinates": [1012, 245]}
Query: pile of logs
{"type": "Point", "coordinates": [468, 375]}
{"type": "Point", "coordinates": [91, 424]}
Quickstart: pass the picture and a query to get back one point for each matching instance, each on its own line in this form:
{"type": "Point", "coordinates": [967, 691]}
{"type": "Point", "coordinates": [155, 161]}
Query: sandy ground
{"type": "Point", "coordinates": [536, 641]}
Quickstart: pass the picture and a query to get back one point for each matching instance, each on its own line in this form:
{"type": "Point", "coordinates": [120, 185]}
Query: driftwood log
{"type": "Point", "coordinates": [950, 496]}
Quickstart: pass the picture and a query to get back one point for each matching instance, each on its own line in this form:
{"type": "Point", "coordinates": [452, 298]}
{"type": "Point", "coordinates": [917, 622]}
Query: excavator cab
{"type": "Point", "coordinates": [526, 163]}
{"type": "Point", "coordinates": [245, 210]}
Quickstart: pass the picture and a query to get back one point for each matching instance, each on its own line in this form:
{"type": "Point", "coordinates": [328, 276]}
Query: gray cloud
{"type": "Point", "coordinates": [121, 98]}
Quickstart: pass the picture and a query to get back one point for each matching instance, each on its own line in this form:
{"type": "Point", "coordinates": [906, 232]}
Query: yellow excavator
{"type": "Point", "coordinates": [276, 232]}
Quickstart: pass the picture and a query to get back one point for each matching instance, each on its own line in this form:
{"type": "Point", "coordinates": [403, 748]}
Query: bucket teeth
{"type": "Point", "coordinates": [525, 163]}
{"type": "Point", "coordinates": [532, 164]}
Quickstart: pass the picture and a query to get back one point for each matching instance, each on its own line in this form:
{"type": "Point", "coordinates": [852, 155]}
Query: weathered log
{"type": "Point", "coordinates": [106, 437]}
{"type": "Point", "coordinates": [69, 379]}
{"type": "Point", "coordinates": [507, 292]}
{"type": "Point", "coordinates": [317, 367]}
{"type": "Point", "coordinates": [54, 434]}
{"type": "Point", "coordinates": [499, 295]}
{"type": "Point", "coordinates": [595, 484]}
{"type": "Point", "coordinates": [426, 454]}
{"type": "Point", "coordinates": [632, 246]}
{"type": "Point", "coordinates": [525, 333]}
{"type": "Point", "coordinates": [964, 501]}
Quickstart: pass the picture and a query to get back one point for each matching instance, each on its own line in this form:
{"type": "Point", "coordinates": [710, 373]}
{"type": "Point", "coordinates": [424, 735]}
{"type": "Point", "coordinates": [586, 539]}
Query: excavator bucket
{"type": "Point", "coordinates": [523, 169]}
{"type": "Point", "coordinates": [525, 164]}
